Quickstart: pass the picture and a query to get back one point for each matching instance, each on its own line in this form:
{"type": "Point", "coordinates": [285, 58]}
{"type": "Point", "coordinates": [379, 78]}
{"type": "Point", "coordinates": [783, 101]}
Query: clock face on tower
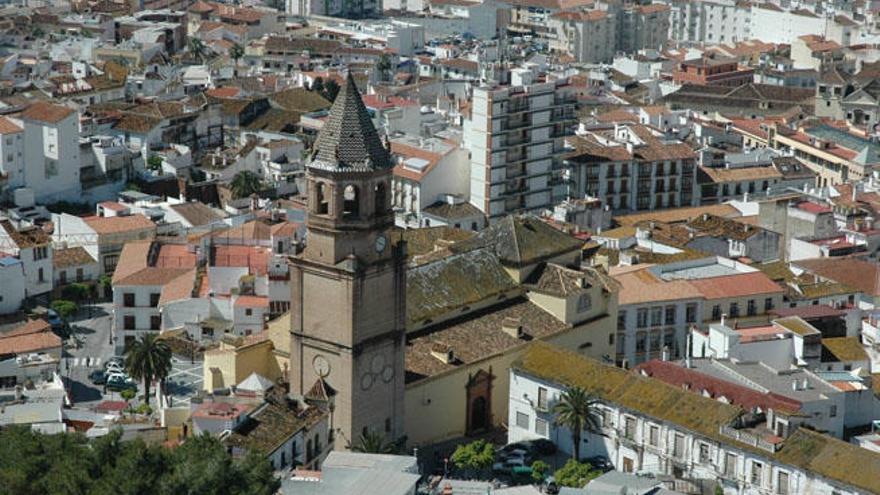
{"type": "Point", "coordinates": [381, 242]}
{"type": "Point", "coordinates": [321, 365]}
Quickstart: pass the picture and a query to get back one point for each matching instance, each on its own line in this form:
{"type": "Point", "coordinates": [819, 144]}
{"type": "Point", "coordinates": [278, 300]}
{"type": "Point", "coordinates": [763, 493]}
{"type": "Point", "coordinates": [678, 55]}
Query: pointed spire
{"type": "Point", "coordinates": [349, 141]}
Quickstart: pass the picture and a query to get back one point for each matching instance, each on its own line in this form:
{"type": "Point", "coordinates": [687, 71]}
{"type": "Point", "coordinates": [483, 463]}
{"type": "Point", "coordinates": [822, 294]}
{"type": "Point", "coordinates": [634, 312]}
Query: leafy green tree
{"type": "Point", "coordinates": [64, 308]}
{"type": "Point", "coordinates": [32, 464]}
{"type": "Point", "coordinates": [373, 442]}
{"type": "Point", "coordinates": [383, 66]}
{"type": "Point", "coordinates": [245, 183]}
{"type": "Point", "coordinates": [236, 52]}
{"type": "Point", "coordinates": [148, 359]}
{"type": "Point", "coordinates": [154, 162]}
{"type": "Point", "coordinates": [575, 474]}
{"type": "Point", "coordinates": [539, 470]}
{"type": "Point", "coordinates": [197, 48]}
{"type": "Point", "coordinates": [317, 85]}
{"type": "Point", "coordinates": [331, 89]}
{"type": "Point", "coordinates": [577, 410]}
{"type": "Point", "coordinates": [76, 292]}
{"type": "Point", "coordinates": [475, 456]}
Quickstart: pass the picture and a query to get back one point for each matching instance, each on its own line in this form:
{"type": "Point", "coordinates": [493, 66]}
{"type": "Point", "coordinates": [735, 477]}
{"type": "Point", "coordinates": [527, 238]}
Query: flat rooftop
{"type": "Point", "coordinates": [761, 377]}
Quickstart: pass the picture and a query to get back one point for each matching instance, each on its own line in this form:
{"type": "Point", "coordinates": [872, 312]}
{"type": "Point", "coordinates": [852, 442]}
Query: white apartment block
{"type": "Point", "coordinates": [51, 150]}
{"type": "Point", "coordinates": [589, 36]}
{"type": "Point", "coordinates": [11, 155]}
{"type": "Point", "coordinates": [516, 138]}
{"type": "Point", "coordinates": [681, 432]}
{"type": "Point", "coordinates": [658, 304]}
{"type": "Point", "coordinates": [636, 169]}
{"type": "Point", "coordinates": [716, 21]}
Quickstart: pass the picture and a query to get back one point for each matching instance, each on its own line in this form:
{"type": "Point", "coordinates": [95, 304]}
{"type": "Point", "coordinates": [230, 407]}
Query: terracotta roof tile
{"type": "Point", "coordinates": [115, 225]}
{"type": "Point", "coordinates": [46, 112]}
{"type": "Point", "coordinates": [69, 257]}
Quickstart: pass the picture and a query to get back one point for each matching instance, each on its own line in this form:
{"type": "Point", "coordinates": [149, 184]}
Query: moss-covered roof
{"type": "Point", "coordinates": [436, 288]}
{"type": "Point", "coordinates": [797, 325]}
{"type": "Point", "coordinates": [630, 390]}
{"type": "Point", "coordinates": [522, 240]}
{"type": "Point", "coordinates": [833, 459]}
{"type": "Point", "coordinates": [810, 451]}
{"type": "Point", "coordinates": [423, 241]}
{"type": "Point", "coordinates": [844, 349]}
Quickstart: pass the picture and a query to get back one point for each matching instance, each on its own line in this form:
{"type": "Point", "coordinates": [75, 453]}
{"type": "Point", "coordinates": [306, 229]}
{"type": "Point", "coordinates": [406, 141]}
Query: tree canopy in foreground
{"type": "Point", "coordinates": [69, 464]}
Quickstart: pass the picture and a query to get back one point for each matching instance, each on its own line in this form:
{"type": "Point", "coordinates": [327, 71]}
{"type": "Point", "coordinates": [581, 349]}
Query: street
{"type": "Point", "coordinates": [92, 335]}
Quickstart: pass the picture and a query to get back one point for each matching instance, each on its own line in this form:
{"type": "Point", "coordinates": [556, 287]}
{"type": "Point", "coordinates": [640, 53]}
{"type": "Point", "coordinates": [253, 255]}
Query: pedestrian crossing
{"type": "Point", "coordinates": [85, 362]}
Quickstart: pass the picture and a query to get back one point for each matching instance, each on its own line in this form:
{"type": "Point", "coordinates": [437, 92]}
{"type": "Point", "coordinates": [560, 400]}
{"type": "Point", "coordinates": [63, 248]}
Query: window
{"type": "Point", "coordinates": [542, 398]}
{"type": "Point", "coordinates": [690, 313]}
{"type": "Point", "coordinates": [704, 452]}
{"type": "Point", "coordinates": [756, 474]}
{"type": "Point", "coordinates": [734, 310]}
{"type": "Point", "coordinates": [629, 427]}
{"type": "Point", "coordinates": [584, 303]}
{"type": "Point", "coordinates": [387, 425]}
{"type": "Point", "coordinates": [62, 277]}
{"type": "Point", "coordinates": [128, 299]}
{"type": "Point", "coordinates": [79, 274]}
{"type": "Point", "coordinates": [128, 322]}
{"type": "Point", "coordinates": [782, 483]}
{"type": "Point", "coordinates": [656, 316]}
{"type": "Point", "coordinates": [522, 420]}
{"type": "Point", "coordinates": [752, 308]}
{"type": "Point", "coordinates": [641, 339]}
{"type": "Point", "coordinates": [832, 412]}
{"type": "Point", "coordinates": [541, 427]}
{"type": "Point", "coordinates": [678, 446]}
{"type": "Point", "coordinates": [40, 275]}
{"type": "Point", "coordinates": [768, 304]}
{"type": "Point", "coordinates": [670, 315]}
{"type": "Point", "coordinates": [730, 465]}
{"type": "Point", "coordinates": [642, 318]}
{"type": "Point", "coordinates": [654, 435]}
{"type": "Point", "coordinates": [155, 322]}
{"type": "Point", "coordinates": [154, 299]}
{"type": "Point", "coordinates": [621, 343]}
{"type": "Point", "coordinates": [248, 312]}
{"type": "Point", "coordinates": [716, 312]}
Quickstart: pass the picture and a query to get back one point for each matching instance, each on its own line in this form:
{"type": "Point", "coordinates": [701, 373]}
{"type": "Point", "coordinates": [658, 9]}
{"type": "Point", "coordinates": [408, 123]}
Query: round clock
{"type": "Point", "coordinates": [381, 242]}
{"type": "Point", "coordinates": [367, 381]}
{"type": "Point", "coordinates": [321, 365]}
{"type": "Point", "coordinates": [377, 363]}
{"type": "Point", "coordinates": [387, 374]}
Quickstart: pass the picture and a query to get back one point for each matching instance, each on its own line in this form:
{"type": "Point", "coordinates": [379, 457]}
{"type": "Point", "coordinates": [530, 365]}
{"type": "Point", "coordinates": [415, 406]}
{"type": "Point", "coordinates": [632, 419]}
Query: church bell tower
{"type": "Point", "coordinates": [348, 304]}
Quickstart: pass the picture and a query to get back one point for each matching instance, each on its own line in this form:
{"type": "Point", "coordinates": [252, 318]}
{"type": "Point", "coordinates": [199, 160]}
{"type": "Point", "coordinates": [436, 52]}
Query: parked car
{"type": "Point", "coordinates": [98, 377]}
{"type": "Point", "coordinates": [511, 464]}
{"type": "Point", "coordinates": [119, 382]}
{"type": "Point", "coordinates": [54, 320]}
{"type": "Point", "coordinates": [601, 463]}
{"type": "Point", "coordinates": [550, 486]}
{"type": "Point", "coordinates": [116, 359]}
{"type": "Point", "coordinates": [112, 367]}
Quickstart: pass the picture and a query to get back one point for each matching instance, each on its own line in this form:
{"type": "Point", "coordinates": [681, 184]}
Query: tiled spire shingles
{"type": "Point", "coordinates": [349, 142]}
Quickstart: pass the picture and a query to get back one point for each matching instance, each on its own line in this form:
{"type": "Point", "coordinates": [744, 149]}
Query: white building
{"type": "Point", "coordinates": [32, 246]}
{"type": "Point", "coordinates": [515, 136]}
{"type": "Point", "coordinates": [653, 427]}
{"type": "Point", "coordinates": [715, 21]}
{"type": "Point", "coordinates": [427, 170]}
{"type": "Point", "coordinates": [12, 290]}
{"type": "Point", "coordinates": [51, 150]}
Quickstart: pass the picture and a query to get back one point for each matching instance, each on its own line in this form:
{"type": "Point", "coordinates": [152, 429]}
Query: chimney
{"type": "Point", "coordinates": [18, 392]}
{"type": "Point", "coordinates": [443, 353]}
{"type": "Point", "coordinates": [723, 317]}
{"type": "Point", "coordinates": [805, 384]}
{"type": "Point", "coordinates": [665, 354]}
{"type": "Point", "coordinates": [512, 327]}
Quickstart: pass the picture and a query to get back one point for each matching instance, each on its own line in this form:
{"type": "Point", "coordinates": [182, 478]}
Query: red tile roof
{"type": "Point", "coordinates": [254, 257]}
{"type": "Point", "coordinates": [175, 256]}
{"type": "Point", "coordinates": [8, 127]}
{"type": "Point", "coordinates": [697, 382]}
{"type": "Point", "coordinates": [46, 112]}
{"type": "Point", "coordinates": [743, 284]}
{"type": "Point", "coordinates": [30, 342]}
{"type": "Point", "coordinates": [115, 225]}
{"type": "Point", "coordinates": [252, 302]}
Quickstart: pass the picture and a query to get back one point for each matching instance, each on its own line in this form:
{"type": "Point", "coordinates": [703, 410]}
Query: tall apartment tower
{"type": "Point", "coordinates": [348, 305]}
{"type": "Point", "coordinates": [516, 138]}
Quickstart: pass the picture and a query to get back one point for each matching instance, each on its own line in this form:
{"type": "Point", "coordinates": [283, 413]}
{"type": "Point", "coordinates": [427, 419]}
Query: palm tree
{"type": "Point", "coordinates": [236, 52]}
{"type": "Point", "coordinates": [245, 183]}
{"type": "Point", "coordinates": [577, 410]}
{"type": "Point", "coordinates": [148, 359]}
{"type": "Point", "coordinates": [372, 442]}
{"type": "Point", "coordinates": [197, 48]}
